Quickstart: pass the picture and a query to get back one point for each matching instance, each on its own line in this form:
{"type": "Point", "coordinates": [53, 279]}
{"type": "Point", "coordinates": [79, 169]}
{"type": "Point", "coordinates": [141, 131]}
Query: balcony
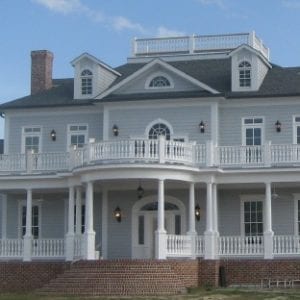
{"type": "Point", "coordinates": [197, 44]}
{"type": "Point", "coordinates": [133, 151]}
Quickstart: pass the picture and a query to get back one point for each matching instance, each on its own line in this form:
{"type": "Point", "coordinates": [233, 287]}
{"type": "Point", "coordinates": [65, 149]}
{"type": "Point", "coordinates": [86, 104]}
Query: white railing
{"type": "Point", "coordinates": [50, 161]}
{"type": "Point", "coordinates": [241, 245]}
{"type": "Point", "coordinates": [283, 154]}
{"type": "Point", "coordinates": [179, 245]}
{"type": "Point", "coordinates": [199, 245]}
{"type": "Point", "coordinates": [179, 152]}
{"type": "Point", "coordinates": [200, 154]}
{"type": "Point", "coordinates": [11, 248]}
{"type": "Point", "coordinates": [51, 248]}
{"type": "Point", "coordinates": [286, 244]}
{"type": "Point", "coordinates": [13, 162]}
{"type": "Point", "coordinates": [197, 43]}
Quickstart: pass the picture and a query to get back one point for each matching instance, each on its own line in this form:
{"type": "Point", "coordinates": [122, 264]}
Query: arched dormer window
{"type": "Point", "coordinates": [86, 82]}
{"type": "Point", "coordinates": [159, 82]}
{"type": "Point", "coordinates": [159, 129]}
{"type": "Point", "coordinates": [245, 74]}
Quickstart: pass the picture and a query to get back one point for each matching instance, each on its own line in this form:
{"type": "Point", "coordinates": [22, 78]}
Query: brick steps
{"type": "Point", "coordinates": [94, 278]}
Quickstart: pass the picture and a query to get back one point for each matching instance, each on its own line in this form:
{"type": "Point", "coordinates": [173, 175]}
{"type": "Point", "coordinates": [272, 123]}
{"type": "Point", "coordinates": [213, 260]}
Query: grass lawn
{"type": "Point", "coordinates": [199, 294]}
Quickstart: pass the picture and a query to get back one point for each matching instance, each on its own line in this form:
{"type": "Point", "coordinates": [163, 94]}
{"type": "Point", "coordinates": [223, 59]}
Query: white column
{"type": "Point", "coordinates": [70, 234]}
{"type": "Point", "coordinates": [192, 225]}
{"type": "Point", "coordinates": [210, 235]}
{"type": "Point", "coordinates": [104, 223]}
{"type": "Point", "coordinates": [4, 216]}
{"type": "Point", "coordinates": [78, 211]}
{"type": "Point", "coordinates": [28, 233]}
{"type": "Point", "coordinates": [268, 232]}
{"type": "Point", "coordinates": [215, 209]}
{"type": "Point", "coordinates": [89, 223]}
{"type": "Point", "coordinates": [160, 233]}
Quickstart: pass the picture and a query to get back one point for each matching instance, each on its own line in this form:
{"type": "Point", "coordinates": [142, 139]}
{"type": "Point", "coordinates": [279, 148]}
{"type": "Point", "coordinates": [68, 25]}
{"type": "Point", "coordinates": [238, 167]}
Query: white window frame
{"type": "Point", "coordinates": [253, 125]}
{"type": "Point", "coordinates": [157, 74]}
{"type": "Point", "coordinates": [296, 217]}
{"type": "Point", "coordinates": [91, 76]}
{"type": "Point", "coordinates": [250, 198]}
{"type": "Point", "coordinates": [245, 69]}
{"type": "Point", "coordinates": [23, 203]}
{"type": "Point", "coordinates": [295, 125]}
{"type": "Point", "coordinates": [81, 132]}
{"type": "Point", "coordinates": [31, 134]}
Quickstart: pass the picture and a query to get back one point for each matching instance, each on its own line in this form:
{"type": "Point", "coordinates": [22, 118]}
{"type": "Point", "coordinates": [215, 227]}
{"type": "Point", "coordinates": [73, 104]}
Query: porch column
{"type": "Point", "coordinates": [89, 223]}
{"type": "Point", "coordinates": [4, 216]}
{"type": "Point", "coordinates": [104, 223]}
{"type": "Point", "coordinates": [78, 211]}
{"type": "Point", "coordinates": [28, 232]}
{"type": "Point", "coordinates": [268, 232]}
{"type": "Point", "coordinates": [210, 235]}
{"type": "Point", "coordinates": [192, 227]}
{"type": "Point", "coordinates": [215, 209]}
{"type": "Point", "coordinates": [70, 234]}
{"type": "Point", "coordinates": [160, 233]}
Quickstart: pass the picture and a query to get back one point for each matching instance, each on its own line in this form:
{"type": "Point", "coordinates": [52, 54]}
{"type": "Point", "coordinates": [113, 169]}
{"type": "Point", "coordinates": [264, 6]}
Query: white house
{"type": "Point", "coordinates": [190, 149]}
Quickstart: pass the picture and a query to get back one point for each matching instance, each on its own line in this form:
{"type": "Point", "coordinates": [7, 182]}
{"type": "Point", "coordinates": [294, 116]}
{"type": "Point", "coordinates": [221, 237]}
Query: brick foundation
{"type": "Point", "coordinates": [27, 276]}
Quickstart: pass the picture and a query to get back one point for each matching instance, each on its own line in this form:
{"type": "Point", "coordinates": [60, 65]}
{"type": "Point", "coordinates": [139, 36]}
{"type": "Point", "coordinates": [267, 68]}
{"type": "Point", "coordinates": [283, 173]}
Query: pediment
{"type": "Point", "coordinates": [139, 81]}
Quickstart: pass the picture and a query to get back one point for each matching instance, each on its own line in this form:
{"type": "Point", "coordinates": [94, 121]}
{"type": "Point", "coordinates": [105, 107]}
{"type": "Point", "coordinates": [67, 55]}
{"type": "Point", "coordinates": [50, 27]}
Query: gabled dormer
{"type": "Point", "coordinates": [91, 76]}
{"type": "Point", "coordinates": [248, 69]}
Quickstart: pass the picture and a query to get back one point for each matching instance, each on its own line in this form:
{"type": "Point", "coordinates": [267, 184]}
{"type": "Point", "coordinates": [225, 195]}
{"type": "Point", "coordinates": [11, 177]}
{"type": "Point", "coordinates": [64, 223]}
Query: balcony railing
{"type": "Point", "coordinates": [197, 44]}
{"type": "Point", "coordinates": [153, 152]}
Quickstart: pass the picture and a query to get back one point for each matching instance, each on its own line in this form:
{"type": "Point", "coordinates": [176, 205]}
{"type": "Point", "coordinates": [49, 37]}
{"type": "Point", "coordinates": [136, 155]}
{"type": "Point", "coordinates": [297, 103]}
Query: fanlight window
{"type": "Point", "coordinates": [245, 74]}
{"type": "Point", "coordinates": [154, 205]}
{"type": "Point", "coordinates": [159, 81]}
{"type": "Point", "coordinates": [159, 129]}
{"type": "Point", "coordinates": [86, 82]}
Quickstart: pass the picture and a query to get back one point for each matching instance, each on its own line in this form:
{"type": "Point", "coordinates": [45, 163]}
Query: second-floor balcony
{"type": "Point", "coordinates": [145, 151]}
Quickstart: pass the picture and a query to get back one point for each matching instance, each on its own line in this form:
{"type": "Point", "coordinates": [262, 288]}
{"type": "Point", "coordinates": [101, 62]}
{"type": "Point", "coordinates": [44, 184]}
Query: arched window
{"type": "Point", "coordinates": [159, 81]}
{"type": "Point", "coordinates": [159, 129]}
{"type": "Point", "coordinates": [86, 82]}
{"type": "Point", "coordinates": [245, 74]}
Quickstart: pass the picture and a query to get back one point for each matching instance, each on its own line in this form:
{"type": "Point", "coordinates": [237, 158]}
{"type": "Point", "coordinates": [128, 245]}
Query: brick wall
{"type": "Point", "coordinates": [25, 277]}
{"type": "Point", "coordinates": [252, 271]}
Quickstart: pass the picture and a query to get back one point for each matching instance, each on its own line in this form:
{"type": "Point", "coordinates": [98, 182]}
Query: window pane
{"type": "Point", "coordinates": [247, 206]}
{"type": "Point", "coordinates": [177, 224]}
{"type": "Point", "coordinates": [254, 226]}
{"type": "Point", "coordinates": [141, 230]}
{"type": "Point", "coordinates": [247, 217]}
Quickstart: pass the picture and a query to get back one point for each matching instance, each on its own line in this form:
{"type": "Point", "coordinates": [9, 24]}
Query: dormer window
{"type": "Point", "coordinates": [245, 74]}
{"type": "Point", "coordinates": [86, 82]}
{"type": "Point", "coordinates": [159, 81]}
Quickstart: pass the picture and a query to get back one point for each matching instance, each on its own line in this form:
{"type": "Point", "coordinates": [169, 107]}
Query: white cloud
{"type": "Point", "coordinates": [218, 3]}
{"type": "Point", "coordinates": [163, 31]}
{"type": "Point", "coordinates": [293, 4]}
{"type": "Point", "coordinates": [61, 6]}
{"type": "Point", "coordinates": [118, 23]}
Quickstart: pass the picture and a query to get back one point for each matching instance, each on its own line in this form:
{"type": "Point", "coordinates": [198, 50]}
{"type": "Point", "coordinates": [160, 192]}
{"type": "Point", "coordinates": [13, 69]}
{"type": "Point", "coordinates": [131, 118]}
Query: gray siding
{"type": "Point", "coordinates": [184, 120]}
{"type": "Point", "coordinates": [57, 122]}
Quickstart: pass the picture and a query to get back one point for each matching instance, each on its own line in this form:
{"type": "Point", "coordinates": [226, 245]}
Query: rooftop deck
{"type": "Point", "coordinates": [197, 44]}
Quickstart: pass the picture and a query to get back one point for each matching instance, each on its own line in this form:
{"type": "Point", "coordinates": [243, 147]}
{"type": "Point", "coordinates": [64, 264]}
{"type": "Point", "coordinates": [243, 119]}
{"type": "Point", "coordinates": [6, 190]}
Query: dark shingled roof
{"type": "Point", "coordinates": [215, 73]}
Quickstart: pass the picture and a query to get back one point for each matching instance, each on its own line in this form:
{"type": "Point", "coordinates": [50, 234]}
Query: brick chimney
{"type": "Point", "coordinates": [41, 71]}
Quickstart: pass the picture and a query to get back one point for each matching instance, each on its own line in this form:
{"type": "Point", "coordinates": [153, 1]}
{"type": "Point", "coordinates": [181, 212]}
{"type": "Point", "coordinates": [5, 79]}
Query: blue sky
{"type": "Point", "coordinates": [105, 28]}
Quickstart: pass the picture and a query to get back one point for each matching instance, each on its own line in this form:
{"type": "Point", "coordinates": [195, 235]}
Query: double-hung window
{"type": "Point", "coordinates": [35, 227]}
{"type": "Point", "coordinates": [245, 74]}
{"type": "Point", "coordinates": [31, 139]}
{"type": "Point", "coordinates": [86, 82]}
{"type": "Point", "coordinates": [77, 135]}
{"type": "Point", "coordinates": [253, 218]}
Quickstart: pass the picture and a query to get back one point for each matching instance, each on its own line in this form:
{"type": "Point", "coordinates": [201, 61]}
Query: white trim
{"type": "Point", "coordinates": [296, 197]}
{"type": "Point", "coordinates": [295, 125]}
{"type": "Point", "coordinates": [154, 62]}
{"type": "Point", "coordinates": [21, 204]}
{"type": "Point", "coordinates": [78, 132]}
{"type": "Point", "coordinates": [254, 125]}
{"type": "Point", "coordinates": [250, 198]}
{"type": "Point", "coordinates": [31, 134]}
{"type": "Point", "coordinates": [168, 214]}
{"type": "Point", "coordinates": [162, 121]}
{"type": "Point", "coordinates": [156, 74]}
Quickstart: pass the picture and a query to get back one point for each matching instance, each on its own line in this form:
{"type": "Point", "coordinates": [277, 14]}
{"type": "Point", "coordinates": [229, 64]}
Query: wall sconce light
{"type": "Point", "coordinates": [115, 130]}
{"type": "Point", "coordinates": [197, 212]}
{"type": "Point", "coordinates": [118, 214]}
{"type": "Point", "coordinates": [140, 192]}
{"type": "Point", "coordinates": [53, 135]}
{"type": "Point", "coordinates": [202, 127]}
{"type": "Point", "coordinates": [278, 126]}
